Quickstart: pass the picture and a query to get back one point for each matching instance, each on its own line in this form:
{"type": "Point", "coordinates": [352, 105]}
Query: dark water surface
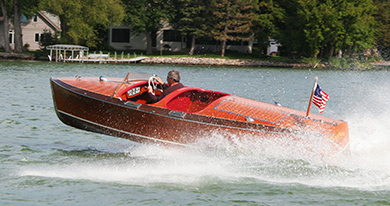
{"type": "Point", "coordinates": [43, 161]}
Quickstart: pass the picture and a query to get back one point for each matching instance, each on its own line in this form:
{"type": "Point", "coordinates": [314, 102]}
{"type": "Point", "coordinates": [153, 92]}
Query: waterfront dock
{"type": "Point", "coordinates": [79, 54]}
{"type": "Point", "coordinates": [105, 60]}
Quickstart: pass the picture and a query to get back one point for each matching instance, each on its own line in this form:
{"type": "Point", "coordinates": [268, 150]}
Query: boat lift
{"type": "Point", "coordinates": [83, 56]}
{"type": "Point", "coordinates": [62, 49]}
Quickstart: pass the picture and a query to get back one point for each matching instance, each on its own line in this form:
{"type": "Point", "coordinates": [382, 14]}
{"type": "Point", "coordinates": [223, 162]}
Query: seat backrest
{"type": "Point", "coordinates": [193, 100]}
{"type": "Point", "coordinates": [180, 103]}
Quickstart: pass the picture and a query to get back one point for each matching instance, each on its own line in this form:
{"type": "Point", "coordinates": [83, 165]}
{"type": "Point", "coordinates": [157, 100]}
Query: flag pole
{"type": "Point", "coordinates": [311, 97]}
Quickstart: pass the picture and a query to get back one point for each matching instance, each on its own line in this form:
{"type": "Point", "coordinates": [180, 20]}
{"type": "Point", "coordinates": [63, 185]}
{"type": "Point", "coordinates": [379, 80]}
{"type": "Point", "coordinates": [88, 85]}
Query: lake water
{"type": "Point", "coordinates": [43, 161]}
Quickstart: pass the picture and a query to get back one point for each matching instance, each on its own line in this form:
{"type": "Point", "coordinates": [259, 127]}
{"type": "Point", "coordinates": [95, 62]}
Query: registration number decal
{"type": "Point", "coordinates": [134, 91]}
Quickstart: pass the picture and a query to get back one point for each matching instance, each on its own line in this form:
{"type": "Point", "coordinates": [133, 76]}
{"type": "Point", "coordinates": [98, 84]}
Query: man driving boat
{"type": "Point", "coordinates": [173, 84]}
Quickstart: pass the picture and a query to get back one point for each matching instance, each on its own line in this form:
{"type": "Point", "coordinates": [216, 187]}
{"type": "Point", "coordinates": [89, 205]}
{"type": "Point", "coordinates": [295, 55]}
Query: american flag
{"type": "Point", "coordinates": [320, 98]}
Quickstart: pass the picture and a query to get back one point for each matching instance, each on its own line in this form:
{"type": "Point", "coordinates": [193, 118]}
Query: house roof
{"type": "Point", "coordinates": [49, 21]}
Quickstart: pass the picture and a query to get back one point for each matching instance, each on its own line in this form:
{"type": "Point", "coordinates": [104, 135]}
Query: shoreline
{"type": "Point", "coordinates": [221, 62]}
{"type": "Point", "coordinates": [378, 65]}
{"type": "Point", "coordinates": [184, 61]}
{"type": "Point", "coordinates": [4, 55]}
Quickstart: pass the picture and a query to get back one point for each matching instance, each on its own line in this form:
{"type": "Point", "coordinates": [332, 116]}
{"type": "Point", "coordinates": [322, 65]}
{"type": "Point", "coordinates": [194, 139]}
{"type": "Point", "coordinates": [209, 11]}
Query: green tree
{"type": "Point", "coordinates": [4, 4]}
{"type": "Point", "coordinates": [234, 21]}
{"type": "Point", "coordinates": [290, 29]}
{"type": "Point", "coordinates": [382, 37]}
{"type": "Point", "coordinates": [26, 8]}
{"type": "Point", "coordinates": [81, 19]}
{"type": "Point", "coordinates": [17, 27]}
{"type": "Point", "coordinates": [322, 27]}
{"type": "Point", "coordinates": [47, 38]}
{"type": "Point", "coordinates": [146, 16]}
{"type": "Point", "coordinates": [360, 25]}
{"type": "Point", "coordinates": [382, 16]}
{"type": "Point", "coordinates": [267, 15]}
{"type": "Point", "coordinates": [322, 24]}
{"type": "Point", "coordinates": [193, 18]}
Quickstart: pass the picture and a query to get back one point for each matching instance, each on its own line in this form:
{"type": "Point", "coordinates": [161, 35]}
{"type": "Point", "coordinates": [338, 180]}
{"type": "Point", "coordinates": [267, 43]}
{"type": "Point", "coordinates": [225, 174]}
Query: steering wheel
{"type": "Point", "coordinates": [152, 82]}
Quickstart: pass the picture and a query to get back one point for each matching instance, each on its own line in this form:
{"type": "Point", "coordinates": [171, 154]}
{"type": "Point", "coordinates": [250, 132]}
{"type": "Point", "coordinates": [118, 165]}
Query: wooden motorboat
{"type": "Point", "coordinates": [120, 107]}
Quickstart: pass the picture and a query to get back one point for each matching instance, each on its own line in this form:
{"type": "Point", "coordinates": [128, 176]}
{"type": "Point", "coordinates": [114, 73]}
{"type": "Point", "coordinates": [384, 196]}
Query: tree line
{"type": "Point", "coordinates": [309, 28]}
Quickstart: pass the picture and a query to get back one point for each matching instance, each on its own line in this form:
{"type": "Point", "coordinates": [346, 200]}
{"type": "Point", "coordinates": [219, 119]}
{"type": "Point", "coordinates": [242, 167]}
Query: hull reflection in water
{"type": "Point", "coordinates": [121, 108]}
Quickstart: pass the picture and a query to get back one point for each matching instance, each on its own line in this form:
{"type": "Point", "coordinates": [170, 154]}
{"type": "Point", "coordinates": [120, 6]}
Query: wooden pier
{"type": "Point", "coordinates": [106, 60]}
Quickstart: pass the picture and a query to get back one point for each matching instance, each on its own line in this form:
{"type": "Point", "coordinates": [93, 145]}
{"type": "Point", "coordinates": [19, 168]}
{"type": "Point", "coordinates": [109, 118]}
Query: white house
{"type": "Point", "coordinates": [31, 29]}
{"type": "Point", "coordinates": [122, 38]}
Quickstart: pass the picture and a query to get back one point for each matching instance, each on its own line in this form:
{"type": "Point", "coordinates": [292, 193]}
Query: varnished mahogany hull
{"type": "Point", "coordinates": [91, 111]}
